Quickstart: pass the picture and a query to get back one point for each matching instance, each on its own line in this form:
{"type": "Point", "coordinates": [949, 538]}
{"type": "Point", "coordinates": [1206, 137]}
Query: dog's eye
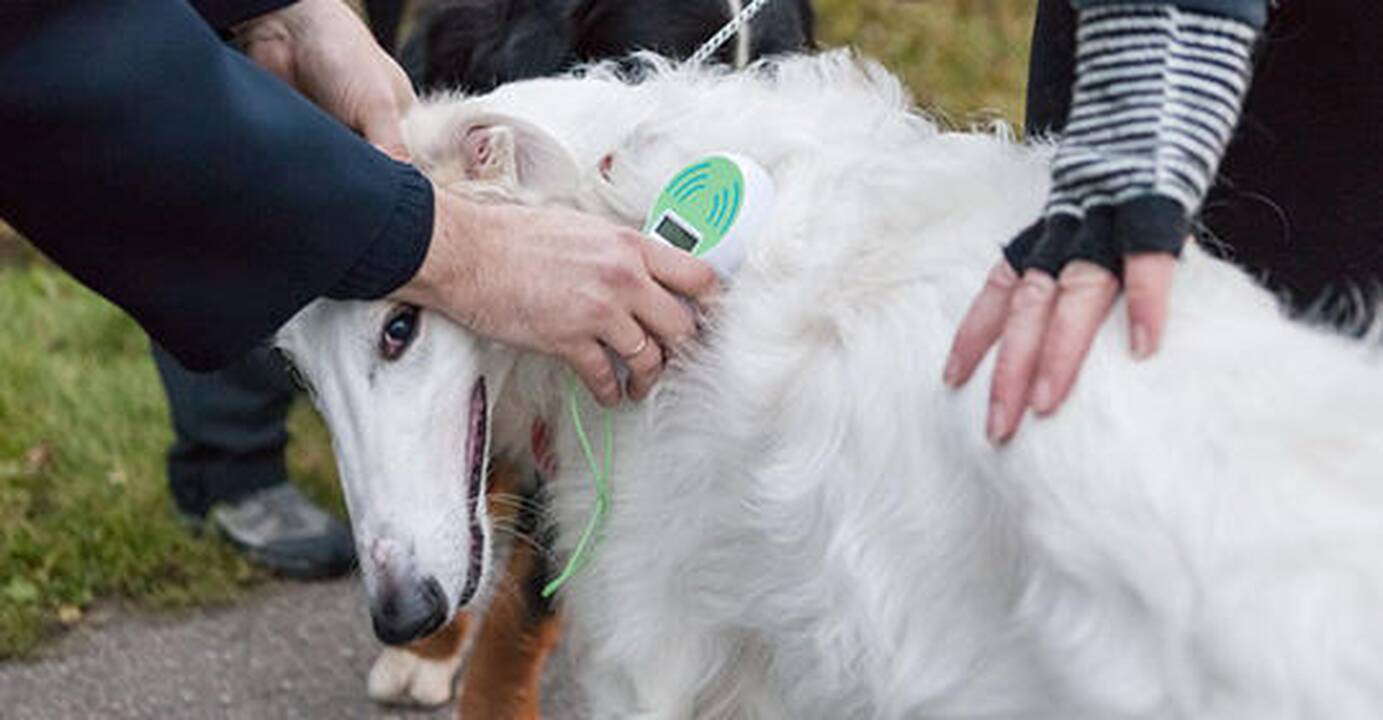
{"type": "Point", "coordinates": [399, 331]}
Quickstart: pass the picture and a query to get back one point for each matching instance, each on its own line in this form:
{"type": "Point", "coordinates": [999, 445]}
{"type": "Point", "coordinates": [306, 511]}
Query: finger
{"type": "Point", "coordinates": [380, 115]}
{"type": "Point", "coordinates": [679, 271]}
{"type": "Point", "coordinates": [382, 125]}
{"type": "Point", "coordinates": [639, 352]}
{"type": "Point", "coordinates": [1086, 292]}
{"type": "Point", "coordinates": [671, 321]}
{"type": "Point", "coordinates": [397, 152]}
{"type": "Point", "coordinates": [1029, 311]}
{"type": "Point", "coordinates": [404, 94]}
{"type": "Point", "coordinates": [404, 100]}
{"type": "Point", "coordinates": [592, 365]}
{"type": "Point", "coordinates": [272, 54]}
{"type": "Point", "coordinates": [1147, 285]}
{"type": "Point", "coordinates": [982, 324]}
{"type": "Point", "coordinates": [645, 367]}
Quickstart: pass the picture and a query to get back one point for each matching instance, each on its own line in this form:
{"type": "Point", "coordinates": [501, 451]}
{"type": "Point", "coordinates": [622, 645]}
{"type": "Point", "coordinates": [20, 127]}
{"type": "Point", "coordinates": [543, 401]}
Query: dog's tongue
{"type": "Point", "coordinates": [475, 476]}
{"type": "Point", "coordinates": [475, 434]}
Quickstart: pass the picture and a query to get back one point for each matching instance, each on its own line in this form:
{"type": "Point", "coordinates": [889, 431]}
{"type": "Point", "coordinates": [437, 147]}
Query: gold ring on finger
{"type": "Point", "coordinates": [643, 345]}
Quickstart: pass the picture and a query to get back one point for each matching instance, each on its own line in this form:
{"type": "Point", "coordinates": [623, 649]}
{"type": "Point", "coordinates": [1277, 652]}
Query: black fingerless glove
{"type": "Point", "coordinates": [1157, 96]}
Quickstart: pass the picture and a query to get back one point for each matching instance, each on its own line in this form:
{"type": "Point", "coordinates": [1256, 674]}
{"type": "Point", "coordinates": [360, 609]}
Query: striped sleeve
{"type": "Point", "coordinates": [1156, 100]}
{"type": "Point", "coordinates": [1157, 95]}
{"type": "Point", "coordinates": [1251, 12]}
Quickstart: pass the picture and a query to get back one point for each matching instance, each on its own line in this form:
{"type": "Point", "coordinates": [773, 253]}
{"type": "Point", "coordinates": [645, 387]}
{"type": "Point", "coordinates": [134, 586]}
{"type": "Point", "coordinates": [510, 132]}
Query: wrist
{"type": "Point", "coordinates": [1158, 122]}
{"type": "Point", "coordinates": [446, 278]}
{"type": "Point", "coordinates": [398, 248]}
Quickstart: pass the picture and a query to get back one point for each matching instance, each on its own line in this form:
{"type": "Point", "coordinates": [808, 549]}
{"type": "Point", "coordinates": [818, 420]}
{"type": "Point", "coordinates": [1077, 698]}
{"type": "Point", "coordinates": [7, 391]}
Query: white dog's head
{"type": "Point", "coordinates": [408, 395]}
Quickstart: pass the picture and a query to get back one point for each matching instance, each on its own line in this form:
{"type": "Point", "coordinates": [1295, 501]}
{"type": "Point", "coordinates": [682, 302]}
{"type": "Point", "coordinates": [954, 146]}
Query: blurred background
{"type": "Point", "coordinates": [84, 510]}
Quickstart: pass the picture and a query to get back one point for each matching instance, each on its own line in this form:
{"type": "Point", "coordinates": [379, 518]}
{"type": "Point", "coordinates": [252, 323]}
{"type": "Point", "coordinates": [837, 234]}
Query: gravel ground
{"type": "Point", "coordinates": [294, 651]}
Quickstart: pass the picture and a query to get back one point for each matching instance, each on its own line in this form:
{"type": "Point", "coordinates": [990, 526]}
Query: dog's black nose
{"type": "Point", "coordinates": [407, 613]}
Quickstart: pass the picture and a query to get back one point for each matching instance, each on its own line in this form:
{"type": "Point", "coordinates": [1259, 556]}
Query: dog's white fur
{"type": "Point", "coordinates": [808, 524]}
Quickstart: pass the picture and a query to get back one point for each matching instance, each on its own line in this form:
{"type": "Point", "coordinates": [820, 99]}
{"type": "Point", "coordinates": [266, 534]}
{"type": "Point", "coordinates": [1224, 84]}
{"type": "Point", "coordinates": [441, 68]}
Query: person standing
{"type": "Point", "coordinates": [226, 467]}
{"type": "Point", "coordinates": [213, 194]}
{"type": "Point", "coordinates": [1144, 98]}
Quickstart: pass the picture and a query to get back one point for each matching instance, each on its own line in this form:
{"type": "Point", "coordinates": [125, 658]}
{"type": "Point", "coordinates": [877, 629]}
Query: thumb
{"type": "Point", "coordinates": [382, 121]}
{"type": "Point", "coordinates": [272, 54]}
{"type": "Point", "coordinates": [679, 271]}
{"type": "Point", "coordinates": [396, 151]}
{"type": "Point", "coordinates": [382, 128]}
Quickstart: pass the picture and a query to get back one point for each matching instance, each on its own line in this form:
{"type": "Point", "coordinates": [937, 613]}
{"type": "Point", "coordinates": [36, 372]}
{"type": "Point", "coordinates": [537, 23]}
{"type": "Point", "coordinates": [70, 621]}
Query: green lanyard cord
{"type": "Point", "coordinates": [601, 474]}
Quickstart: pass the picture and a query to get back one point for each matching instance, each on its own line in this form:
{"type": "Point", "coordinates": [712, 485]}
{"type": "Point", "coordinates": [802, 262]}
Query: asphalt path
{"type": "Point", "coordinates": [291, 651]}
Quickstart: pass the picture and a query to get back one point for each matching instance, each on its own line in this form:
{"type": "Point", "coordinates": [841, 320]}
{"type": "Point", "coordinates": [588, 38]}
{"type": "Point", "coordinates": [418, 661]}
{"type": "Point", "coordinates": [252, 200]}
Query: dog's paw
{"type": "Point", "coordinates": [401, 677]}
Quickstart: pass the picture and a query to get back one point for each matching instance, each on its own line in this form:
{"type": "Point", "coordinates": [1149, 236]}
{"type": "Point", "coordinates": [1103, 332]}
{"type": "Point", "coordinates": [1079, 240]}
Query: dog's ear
{"type": "Point", "coordinates": [512, 153]}
{"type": "Point", "coordinates": [488, 153]}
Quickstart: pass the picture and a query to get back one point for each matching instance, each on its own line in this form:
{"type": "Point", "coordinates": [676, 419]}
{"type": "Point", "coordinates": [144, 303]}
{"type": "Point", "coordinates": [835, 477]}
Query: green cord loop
{"type": "Point", "coordinates": [601, 474]}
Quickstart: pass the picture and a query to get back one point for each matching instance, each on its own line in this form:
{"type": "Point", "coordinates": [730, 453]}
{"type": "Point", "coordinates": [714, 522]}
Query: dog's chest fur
{"type": "Point", "coordinates": [806, 523]}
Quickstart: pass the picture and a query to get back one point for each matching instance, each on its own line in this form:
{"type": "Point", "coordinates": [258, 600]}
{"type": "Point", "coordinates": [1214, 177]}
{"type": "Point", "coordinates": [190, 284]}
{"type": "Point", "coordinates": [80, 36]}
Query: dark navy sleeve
{"type": "Point", "coordinates": [177, 179]}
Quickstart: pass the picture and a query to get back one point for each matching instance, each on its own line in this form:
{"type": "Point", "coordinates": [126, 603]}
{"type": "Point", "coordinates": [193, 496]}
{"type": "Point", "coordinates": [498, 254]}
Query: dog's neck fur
{"type": "Point", "coordinates": [533, 391]}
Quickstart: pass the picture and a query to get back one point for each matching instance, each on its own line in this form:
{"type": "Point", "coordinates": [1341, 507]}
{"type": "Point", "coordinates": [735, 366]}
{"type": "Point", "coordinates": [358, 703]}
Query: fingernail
{"type": "Point", "coordinates": [1142, 343]}
{"type": "Point", "coordinates": [952, 375]}
{"type": "Point", "coordinates": [1042, 396]}
{"type": "Point", "coordinates": [996, 423]}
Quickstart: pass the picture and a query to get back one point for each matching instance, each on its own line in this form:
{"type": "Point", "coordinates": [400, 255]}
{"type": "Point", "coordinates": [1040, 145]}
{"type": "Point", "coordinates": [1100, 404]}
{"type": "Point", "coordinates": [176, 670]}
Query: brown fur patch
{"type": "Point", "coordinates": [504, 672]}
{"type": "Point", "coordinates": [444, 643]}
{"type": "Point", "coordinates": [502, 677]}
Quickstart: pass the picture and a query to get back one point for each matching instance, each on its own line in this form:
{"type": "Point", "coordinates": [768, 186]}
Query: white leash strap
{"type": "Point", "coordinates": [723, 35]}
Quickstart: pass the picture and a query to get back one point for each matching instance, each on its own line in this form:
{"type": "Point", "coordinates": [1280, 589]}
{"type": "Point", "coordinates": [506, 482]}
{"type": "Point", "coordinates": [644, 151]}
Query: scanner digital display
{"type": "Point", "coordinates": [676, 233]}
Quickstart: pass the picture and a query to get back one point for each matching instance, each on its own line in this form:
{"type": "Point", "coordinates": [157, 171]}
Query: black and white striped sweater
{"type": "Point", "coordinates": [1157, 95]}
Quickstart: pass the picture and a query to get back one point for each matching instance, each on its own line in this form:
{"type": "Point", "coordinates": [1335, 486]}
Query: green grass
{"type": "Point", "coordinates": [965, 60]}
{"type": "Point", "coordinates": [84, 508]}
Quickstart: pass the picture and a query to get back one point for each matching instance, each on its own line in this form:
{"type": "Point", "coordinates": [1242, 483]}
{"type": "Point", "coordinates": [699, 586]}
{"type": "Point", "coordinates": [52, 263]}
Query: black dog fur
{"type": "Point", "coordinates": [476, 45]}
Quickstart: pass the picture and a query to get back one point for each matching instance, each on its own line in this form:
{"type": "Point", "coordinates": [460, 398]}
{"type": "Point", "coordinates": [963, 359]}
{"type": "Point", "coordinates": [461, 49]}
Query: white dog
{"type": "Point", "coordinates": [806, 523]}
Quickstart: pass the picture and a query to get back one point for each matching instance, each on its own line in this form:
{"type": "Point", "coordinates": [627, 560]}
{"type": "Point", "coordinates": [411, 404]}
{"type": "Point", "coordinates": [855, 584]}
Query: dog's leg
{"type": "Point", "coordinates": [422, 673]}
{"type": "Point", "coordinates": [519, 631]}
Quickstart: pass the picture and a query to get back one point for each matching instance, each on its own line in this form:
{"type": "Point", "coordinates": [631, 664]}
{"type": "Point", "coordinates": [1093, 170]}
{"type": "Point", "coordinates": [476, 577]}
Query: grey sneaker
{"type": "Point", "coordinates": [280, 529]}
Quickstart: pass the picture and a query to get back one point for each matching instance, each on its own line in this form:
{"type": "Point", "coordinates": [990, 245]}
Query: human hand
{"type": "Point", "coordinates": [325, 51]}
{"type": "Point", "coordinates": [562, 283]}
{"type": "Point", "coordinates": [1156, 98]}
{"type": "Point", "coordinates": [1047, 327]}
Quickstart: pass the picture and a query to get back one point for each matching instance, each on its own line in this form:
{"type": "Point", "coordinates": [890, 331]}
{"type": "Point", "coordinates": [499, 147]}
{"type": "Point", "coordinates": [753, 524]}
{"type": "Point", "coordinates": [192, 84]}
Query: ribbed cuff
{"type": "Point", "coordinates": [1253, 12]}
{"type": "Point", "coordinates": [399, 247]}
{"type": "Point", "coordinates": [225, 14]}
{"type": "Point", "coordinates": [1150, 224]}
{"type": "Point", "coordinates": [1104, 235]}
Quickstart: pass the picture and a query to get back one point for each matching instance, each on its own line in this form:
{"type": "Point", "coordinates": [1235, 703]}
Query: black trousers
{"type": "Point", "coordinates": [1299, 197]}
{"type": "Point", "coordinates": [229, 426]}
{"type": "Point", "coordinates": [385, 17]}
